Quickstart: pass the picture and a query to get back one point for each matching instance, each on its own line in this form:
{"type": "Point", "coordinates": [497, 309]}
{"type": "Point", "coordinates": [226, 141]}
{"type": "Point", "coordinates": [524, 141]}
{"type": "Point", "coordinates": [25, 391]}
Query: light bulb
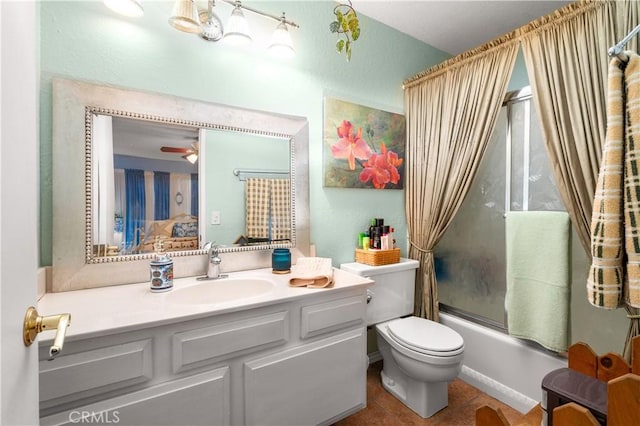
{"type": "Point", "coordinates": [281, 44]}
{"type": "Point", "coordinates": [184, 17]}
{"type": "Point", "coordinates": [237, 31]}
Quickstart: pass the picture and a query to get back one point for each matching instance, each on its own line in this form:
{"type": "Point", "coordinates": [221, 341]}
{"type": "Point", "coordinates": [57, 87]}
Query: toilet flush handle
{"type": "Point", "coordinates": [369, 293]}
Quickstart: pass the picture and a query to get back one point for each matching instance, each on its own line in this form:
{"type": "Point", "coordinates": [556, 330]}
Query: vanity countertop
{"type": "Point", "coordinates": [105, 310]}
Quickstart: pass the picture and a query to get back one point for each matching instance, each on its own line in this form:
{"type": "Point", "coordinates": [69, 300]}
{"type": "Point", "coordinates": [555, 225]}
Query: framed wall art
{"type": "Point", "coordinates": [363, 147]}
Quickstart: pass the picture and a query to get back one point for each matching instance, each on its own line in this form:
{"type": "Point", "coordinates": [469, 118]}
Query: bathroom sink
{"type": "Point", "coordinates": [219, 291]}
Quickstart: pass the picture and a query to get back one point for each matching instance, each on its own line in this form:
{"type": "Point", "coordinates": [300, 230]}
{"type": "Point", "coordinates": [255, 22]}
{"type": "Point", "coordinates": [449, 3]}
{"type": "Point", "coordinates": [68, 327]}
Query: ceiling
{"type": "Point", "coordinates": [139, 138]}
{"type": "Point", "coordinates": [455, 26]}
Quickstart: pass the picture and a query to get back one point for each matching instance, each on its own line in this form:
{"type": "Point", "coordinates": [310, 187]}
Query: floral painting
{"type": "Point", "coordinates": [363, 147]}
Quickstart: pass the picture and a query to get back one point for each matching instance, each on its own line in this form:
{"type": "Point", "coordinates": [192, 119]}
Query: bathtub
{"type": "Point", "coordinates": [502, 366]}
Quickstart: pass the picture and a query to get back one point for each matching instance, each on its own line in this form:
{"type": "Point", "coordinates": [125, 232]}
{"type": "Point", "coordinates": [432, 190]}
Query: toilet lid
{"type": "Point", "coordinates": [425, 336]}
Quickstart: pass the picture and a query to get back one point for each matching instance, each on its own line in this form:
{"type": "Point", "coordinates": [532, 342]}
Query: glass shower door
{"type": "Point", "coordinates": [515, 174]}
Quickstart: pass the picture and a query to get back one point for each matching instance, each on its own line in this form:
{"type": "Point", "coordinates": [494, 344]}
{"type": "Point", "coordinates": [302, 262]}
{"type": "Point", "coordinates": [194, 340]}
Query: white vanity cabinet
{"type": "Point", "coordinates": [296, 362]}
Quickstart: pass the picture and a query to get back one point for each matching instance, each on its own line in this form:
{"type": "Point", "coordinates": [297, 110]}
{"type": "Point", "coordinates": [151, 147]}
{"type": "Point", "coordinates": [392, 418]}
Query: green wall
{"type": "Point", "coordinates": [224, 191]}
{"type": "Point", "coordinates": [86, 41]}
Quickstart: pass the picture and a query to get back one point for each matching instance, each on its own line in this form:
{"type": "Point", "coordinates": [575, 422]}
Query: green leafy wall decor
{"type": "Point", "coordinates": [347, 26]}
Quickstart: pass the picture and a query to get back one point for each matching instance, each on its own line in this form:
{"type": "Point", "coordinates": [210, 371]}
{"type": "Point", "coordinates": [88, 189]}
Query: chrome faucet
{"type": "Point", "coordinates": [213, 270]}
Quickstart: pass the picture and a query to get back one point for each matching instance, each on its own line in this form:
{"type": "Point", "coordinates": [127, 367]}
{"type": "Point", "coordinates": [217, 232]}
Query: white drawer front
{"type": "Point", "coordinates": [229, 339]}
{"type": "Point", "coordinates": [96, 371]}
{"type": "Point", "coordinates": [330, 316]}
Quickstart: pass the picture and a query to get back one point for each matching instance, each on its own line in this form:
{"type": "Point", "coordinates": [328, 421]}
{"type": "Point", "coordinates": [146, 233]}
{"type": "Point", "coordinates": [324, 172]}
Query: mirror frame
{"type": "Point", "coordinates": [74, 103]}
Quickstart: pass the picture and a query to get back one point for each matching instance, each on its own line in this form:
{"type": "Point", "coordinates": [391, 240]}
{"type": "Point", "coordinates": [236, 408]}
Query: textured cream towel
{"type": "Point", "coordinates": [538, 278]}
{"type": "Point", "coordinates": [312, 272]}
{"type": "Point", "coordinates": [280, 209]}
{"type": "Point", "coordinates": [267, 208]}
{"type": "Point", "coordinates": [257, 207]}
{"type": "Point", "coordinates": [606, 274]}
{"type": "Point", "coordinates": [631, 283]}
{"type": "Point", "coordinates": [615, 222]}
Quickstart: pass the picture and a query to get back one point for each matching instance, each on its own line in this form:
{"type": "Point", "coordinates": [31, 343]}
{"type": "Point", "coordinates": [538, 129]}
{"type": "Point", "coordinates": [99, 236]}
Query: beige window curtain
{"type": "Point", "coordinates": [451, 111]}
{"type": "Point", "coordinates": [567, 61]}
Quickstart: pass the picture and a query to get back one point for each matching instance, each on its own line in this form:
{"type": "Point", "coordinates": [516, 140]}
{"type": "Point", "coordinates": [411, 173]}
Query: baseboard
{"type": "Point", "coordinates": [497, 390]}
{"type": "Point", "coordinates": [374, 357]}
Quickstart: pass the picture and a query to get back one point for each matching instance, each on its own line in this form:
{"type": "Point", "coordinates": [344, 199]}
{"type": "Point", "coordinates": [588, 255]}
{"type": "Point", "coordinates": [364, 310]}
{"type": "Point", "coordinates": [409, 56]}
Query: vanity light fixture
{"type": "Point", "coordinates": [211, 24]}
{"type": "Point", "coordinates": [281, 44]}
{"type": "Point", "coordinates": [207, 24]}
{"type": "Point", "coordinates": [131, 8]}
{"type": "Point", "coordinates": [185, 17]}
{"type": "Point", "coordinates": [237, 27]}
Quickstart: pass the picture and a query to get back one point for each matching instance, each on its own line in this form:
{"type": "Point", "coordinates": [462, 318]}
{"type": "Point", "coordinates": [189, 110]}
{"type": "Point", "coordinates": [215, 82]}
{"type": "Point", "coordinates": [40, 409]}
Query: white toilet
{"type": "Point", "coordinates": [420, 357]}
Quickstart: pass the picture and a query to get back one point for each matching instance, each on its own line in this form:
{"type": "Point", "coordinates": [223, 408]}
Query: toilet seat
{"type": "Point", "coordinates": [426, 337]}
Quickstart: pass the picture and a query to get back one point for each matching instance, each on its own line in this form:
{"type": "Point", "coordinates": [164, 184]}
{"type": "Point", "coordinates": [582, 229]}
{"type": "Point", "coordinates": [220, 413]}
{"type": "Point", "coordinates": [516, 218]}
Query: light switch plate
{"type": "Point", "coordinates": [215, 218]}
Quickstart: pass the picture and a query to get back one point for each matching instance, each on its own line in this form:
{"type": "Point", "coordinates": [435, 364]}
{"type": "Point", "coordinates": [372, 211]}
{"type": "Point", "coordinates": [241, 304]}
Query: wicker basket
{"type": "Point", "coordinates": [378, 257]}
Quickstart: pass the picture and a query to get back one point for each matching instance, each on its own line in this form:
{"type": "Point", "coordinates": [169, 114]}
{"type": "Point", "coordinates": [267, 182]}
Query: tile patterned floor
{"type": "Point", "coordinates": [385, 409]}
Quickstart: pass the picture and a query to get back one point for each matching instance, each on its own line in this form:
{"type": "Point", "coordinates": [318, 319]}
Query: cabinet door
{"type": "Point", "coordinates": [202, 399]}
{"type": "Point", "coordinates": [86, 373]}
{"type": "Point", "coordinates": [309, 384]}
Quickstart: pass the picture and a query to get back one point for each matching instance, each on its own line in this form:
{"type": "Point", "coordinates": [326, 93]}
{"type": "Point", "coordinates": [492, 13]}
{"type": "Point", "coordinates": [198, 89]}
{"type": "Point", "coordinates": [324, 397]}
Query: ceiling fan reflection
{"type": "Point", "coordinates": [190, 154]}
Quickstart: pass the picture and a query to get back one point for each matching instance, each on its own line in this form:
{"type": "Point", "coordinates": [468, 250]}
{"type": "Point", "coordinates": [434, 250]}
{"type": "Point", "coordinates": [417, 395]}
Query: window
{"type": "Point", "coordinates": [515, 174]}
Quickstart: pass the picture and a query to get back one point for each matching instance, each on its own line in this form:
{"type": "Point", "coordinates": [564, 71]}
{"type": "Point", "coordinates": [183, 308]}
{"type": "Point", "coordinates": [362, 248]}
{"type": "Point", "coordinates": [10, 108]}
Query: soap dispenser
{"type": "Point", "coordinates": [161, 269]}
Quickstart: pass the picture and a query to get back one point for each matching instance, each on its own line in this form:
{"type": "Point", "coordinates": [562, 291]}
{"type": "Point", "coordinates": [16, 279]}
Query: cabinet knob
{"type": "Point", "coordinates": [34, 324]}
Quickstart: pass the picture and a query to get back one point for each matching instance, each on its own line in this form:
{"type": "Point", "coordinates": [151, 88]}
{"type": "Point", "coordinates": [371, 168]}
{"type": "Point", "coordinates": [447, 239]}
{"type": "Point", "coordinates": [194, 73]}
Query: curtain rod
{"type": "Point", "coordinates": [617, 49]}
{"type": "Point", "coordinates": [565, 12]}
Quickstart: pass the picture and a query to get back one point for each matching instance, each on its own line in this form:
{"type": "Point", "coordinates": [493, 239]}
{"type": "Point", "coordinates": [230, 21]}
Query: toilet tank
{"type": "Point", "coordinates": [393, 292]}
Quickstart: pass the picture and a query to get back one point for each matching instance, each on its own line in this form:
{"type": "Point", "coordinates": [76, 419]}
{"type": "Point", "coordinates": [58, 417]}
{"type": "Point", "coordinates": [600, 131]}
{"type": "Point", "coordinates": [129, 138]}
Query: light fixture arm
{"type": "Point", "coordinates": [267, 15]}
